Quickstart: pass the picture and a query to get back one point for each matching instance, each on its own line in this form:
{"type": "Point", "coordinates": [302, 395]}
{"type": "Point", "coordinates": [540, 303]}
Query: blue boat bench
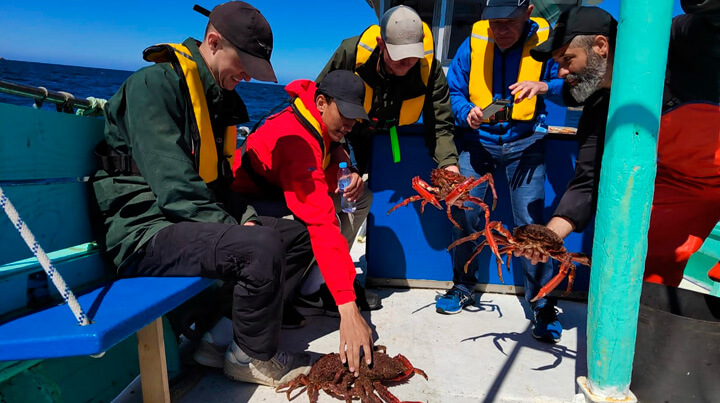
{"type": "Point", "coordinates": [45, 161]}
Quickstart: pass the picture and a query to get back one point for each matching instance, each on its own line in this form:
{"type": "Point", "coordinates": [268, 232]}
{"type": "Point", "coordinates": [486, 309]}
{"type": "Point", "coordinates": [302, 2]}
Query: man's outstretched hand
{"type": "Point", "coordinates": [355, 334]}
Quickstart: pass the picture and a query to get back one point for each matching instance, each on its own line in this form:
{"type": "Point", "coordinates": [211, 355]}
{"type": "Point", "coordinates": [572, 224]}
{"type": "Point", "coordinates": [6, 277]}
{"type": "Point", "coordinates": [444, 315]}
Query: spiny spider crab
{"type": "Point", "coordinates": [330, 375]}
{"type": "Point", "coordinates": [530, 237]}
{"type": "Point", "coordinates": [451, 187]}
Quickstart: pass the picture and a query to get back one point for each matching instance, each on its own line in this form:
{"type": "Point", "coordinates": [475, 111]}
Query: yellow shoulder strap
{"type": "Point", "coordinates": [530, 70]}
{"type": "Point", "coordinates": [482, 52]}
{"type": "Point", "coordinates": [412, 108]}
{"type": "Point", "coordinates": [365, 46]}
{"type": "Point", "coordinates": [308, 119]}
{"type": "Point", "coordinates": [208, 168]}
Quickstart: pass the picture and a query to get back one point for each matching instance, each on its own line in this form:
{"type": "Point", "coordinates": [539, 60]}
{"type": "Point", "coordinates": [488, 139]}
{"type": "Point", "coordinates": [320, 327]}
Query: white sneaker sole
{"type": "Point", "coordinates": [245, 375]}
{"type": "Point", "coordinates": [209, 357]}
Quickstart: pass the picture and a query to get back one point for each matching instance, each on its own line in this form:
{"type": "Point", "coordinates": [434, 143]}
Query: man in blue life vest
{"type": "Point", "coordinates": [163, 190]}
{"type": "Point", "coordinates": [494, 63]}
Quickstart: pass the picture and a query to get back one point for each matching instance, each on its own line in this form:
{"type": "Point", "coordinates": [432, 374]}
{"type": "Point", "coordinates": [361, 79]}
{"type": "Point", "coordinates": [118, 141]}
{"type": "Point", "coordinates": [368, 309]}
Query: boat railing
{"type": "Point", "coordinates": [64, 101]}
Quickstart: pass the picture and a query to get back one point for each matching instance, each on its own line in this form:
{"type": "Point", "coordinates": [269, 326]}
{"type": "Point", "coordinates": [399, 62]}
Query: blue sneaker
{"type": "Point", "coordinates": [547, 326]}
{"type": "Point", "coordinates": [453, 301]}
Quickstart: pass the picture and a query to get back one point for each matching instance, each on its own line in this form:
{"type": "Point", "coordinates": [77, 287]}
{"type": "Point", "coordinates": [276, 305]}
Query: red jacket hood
{"type": "Point", "coordinates": [305, 89]}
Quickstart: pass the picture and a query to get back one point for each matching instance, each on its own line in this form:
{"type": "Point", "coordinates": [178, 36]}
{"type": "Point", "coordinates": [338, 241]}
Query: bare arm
{"type": "Point", "coordinates": [355, 334]}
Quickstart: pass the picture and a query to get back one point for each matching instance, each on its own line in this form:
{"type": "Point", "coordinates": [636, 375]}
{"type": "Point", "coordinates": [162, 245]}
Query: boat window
{"type": "Point", "coordinates": [465, 13]}
{"type": "Point", "coordinates": [551, 9]}
{"type": "Point", "coordinates": [424, 8]}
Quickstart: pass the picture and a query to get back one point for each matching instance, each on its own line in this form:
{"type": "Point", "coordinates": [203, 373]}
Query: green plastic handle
{"type": "Point", "coordinates": [395, 144]}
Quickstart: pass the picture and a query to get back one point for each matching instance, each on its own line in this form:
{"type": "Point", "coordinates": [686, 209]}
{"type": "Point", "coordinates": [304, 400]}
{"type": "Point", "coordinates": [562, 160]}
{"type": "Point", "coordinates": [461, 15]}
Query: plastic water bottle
{"type": "Point", "coordinates": [344, 179]}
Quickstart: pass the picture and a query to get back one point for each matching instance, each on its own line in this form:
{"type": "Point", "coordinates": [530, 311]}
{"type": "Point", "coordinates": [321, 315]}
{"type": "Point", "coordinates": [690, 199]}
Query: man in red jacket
{"type": "Point", "coordinates": [295, 156]}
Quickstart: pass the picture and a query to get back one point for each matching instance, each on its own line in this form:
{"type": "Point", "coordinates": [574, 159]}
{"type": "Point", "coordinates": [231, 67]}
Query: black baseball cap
{"type": "Point", "coordinates": [348, 92]}
{"type": "Point", "coordinates": [571, 23]}
{"type": "Point", "coordinates": [499, 9]}
{"type": "Point", "coordinates": [244, 27]}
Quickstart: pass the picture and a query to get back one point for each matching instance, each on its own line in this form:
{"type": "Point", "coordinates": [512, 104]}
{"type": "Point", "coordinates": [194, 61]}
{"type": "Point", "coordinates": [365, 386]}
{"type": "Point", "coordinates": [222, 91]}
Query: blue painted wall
{"type": "Point", "coordinates": [408, 245]}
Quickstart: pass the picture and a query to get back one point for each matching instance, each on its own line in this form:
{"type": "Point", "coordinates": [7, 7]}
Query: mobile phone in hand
{"type": "Point", "coordinates": [494, 108]}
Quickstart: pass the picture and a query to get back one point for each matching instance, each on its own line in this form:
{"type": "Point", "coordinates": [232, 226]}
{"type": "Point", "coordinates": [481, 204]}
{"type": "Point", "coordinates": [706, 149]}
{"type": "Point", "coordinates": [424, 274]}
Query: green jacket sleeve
{"type": "Point", "coordinates": [156, 127]}
{"type": "Point", "coordinates": [342, 59]}
{"type": "Point", "coordinates": [438, 119]}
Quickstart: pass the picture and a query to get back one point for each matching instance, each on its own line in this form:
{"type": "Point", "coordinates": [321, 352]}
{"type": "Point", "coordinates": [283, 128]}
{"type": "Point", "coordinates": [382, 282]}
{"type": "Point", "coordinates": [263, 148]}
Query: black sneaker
{"type": "Point", "coordinates": [366, 300]}
{"type": "Point", "coordinates": [320, 302]}
{"type": "Point", "coordinates": [292, 319]}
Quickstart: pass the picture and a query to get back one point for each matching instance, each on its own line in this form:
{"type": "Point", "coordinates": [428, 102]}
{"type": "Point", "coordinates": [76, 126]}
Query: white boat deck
{"type": "Point", "coordinates": [485, 353]}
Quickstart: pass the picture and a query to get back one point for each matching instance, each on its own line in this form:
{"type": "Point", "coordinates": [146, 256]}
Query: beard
{"type": "Point", "coordinates": [588, 80]}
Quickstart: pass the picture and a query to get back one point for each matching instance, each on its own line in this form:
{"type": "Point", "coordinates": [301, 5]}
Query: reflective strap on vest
{"type": "Point", "coordinates": [208, 152]}
{"type": "Point", "coordinates": [310, 123]}
{"type": "Point", "coordinates": [482, 52]}
{"type": "Point", "coordinates": [411, 108]}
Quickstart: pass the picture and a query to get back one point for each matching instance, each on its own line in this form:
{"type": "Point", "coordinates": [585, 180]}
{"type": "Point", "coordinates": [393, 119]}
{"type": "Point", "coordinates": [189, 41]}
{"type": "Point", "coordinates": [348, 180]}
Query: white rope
{"type": "Point", "coordinates": [44, 260]}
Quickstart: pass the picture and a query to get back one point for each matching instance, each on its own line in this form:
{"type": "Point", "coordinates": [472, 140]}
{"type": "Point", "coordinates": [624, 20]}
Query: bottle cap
{"type": "Point", "coordinates": [343, 165]}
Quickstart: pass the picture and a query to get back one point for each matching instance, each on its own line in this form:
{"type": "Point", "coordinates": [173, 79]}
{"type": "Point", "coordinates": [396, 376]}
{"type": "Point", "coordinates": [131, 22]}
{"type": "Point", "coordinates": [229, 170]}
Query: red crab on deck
{"type": "Point", "coordinates": [451, 187]}
{"type": "Point", "coordinates": [330, 375]}
{"type": "Point", "coordinates": [529, 237]}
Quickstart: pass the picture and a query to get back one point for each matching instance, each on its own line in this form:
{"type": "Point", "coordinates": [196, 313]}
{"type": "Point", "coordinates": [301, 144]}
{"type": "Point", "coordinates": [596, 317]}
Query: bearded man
{"type": "Point", "coordinates": [583, 44]}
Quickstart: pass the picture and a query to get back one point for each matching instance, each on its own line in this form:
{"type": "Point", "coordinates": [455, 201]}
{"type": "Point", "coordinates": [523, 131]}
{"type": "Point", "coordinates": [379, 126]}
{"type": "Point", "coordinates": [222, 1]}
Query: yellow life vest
{"type": "Point", "coordinates": [312, 124]}
{"type": "Point", "coordinates": [206, 151]}
{"type": "Point", "coordinates": [411, 108]}
{"type": "Point", "coordinates": [480, 82]}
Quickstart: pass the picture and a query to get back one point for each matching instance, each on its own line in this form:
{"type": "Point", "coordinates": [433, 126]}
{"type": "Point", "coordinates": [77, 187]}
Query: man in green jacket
{"type": "Point", "coordinates": [163, 190]}
{"type": "Point", "coordinates": [403, 78]}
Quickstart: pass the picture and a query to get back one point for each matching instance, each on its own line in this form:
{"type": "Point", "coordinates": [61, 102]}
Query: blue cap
{"type": "Point", "coordinates": [497, 9]}
{"type": "Point", "coordinates": [343, 165]}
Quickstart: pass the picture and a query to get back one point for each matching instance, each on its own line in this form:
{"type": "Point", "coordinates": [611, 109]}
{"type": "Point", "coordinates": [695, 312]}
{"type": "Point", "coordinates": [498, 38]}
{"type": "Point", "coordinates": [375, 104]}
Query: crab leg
{"type": "Point", "coordinates": [476, 252]}
{"type": "Point", "coordinates": [571, 279]}
{"type": "Point", "coordinates": [580, 258]}
{"type": "Point", "coordinates": [383, 391]}
{"type": "Point", "coordinates": [508, 252]}
{"type": "Point", "coordinates": [555, 281]}
{"type": "Point", "coordinates": [491, 182]}
{"type": "Point", "coordinates": [497, 226]}
{"type": "Point", "coordinates": [301, 380]}
{"type": "Point", "coordinates": [409, 369]}
{"type": "Point", "coordinates": [464, 186]}
{"type": "Point", "coordinates": [424, 192]}
{"type": "Point", "coordinates": [404, 203]}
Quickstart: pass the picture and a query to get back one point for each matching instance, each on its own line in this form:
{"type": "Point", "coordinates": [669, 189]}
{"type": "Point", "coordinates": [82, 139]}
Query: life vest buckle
{"type": "Point", "coordinates": [502, 116]}
{"type": "Point", "coordinates": [376, 124]}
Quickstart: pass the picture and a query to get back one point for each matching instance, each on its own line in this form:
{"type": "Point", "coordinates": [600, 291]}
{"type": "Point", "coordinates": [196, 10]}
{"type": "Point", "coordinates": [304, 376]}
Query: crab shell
{"type": "Point", "coordinates": [325, 368]}
{"type": "Point", "coordinates": [538, 235]}
{"type": "Point", "coordinates": [445, 180]}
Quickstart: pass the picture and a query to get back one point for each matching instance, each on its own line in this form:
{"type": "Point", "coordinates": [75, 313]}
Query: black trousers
{"type": "Point", "coordinates": [264, 264]}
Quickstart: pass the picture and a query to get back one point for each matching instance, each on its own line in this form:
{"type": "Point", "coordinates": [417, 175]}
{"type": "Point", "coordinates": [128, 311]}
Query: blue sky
{"type": "Point", "coordinates": [112, 34]}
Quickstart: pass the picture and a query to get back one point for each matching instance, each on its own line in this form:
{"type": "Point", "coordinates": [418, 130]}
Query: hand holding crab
{"type": "Point", "coordinates": [534, 240]}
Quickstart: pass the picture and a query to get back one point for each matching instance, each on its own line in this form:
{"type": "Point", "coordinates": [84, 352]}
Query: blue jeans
{"type": "Point", "coordinates": [523, 163]}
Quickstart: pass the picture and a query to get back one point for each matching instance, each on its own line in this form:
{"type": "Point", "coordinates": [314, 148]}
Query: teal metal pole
{"type": "Point", "coordinates": [625, 194]}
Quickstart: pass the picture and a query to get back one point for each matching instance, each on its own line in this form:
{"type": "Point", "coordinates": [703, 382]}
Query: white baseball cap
{"type": "Point", "coordinates": [402, 30]}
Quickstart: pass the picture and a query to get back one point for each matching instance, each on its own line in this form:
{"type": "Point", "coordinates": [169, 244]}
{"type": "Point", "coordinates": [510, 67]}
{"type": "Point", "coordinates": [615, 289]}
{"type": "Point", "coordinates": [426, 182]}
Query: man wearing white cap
{"type": "Point", "coordinates": [403, 79]}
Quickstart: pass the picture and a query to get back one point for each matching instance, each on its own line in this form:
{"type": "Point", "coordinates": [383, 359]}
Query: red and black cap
{"type": "Point", "coordinates": [246, 28]}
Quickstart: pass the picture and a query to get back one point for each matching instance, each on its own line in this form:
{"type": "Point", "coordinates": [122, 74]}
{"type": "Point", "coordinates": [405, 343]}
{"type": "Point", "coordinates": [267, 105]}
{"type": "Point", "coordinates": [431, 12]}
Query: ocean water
{"type": "Point", "coordinates": [85, 82]}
